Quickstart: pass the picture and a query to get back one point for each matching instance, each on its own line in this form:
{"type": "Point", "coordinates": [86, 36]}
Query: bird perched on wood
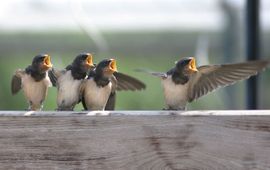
{"type": "Point", "coordinates": [69, 80]}
{"type": "Point", "coordinates": [99, 90]}
{"type": "Point", "coordinates": [185, 82]}
{"type": "Point", "coordinates": [34, 81]}
{"type": "Point", "coordinates": [99, 85]}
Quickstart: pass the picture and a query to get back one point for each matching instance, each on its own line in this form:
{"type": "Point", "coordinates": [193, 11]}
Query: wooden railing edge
{"type": "Point", "coordinates": [138, 113]}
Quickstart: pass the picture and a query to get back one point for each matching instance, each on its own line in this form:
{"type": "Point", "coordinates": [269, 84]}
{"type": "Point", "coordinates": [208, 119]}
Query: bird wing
{"type": "Point", "coordinates": [209, 78]}
{"type": "Point", "coordinates": [16, 81]}
{"type": "Point", "coordinates": [126, 82]}
{"type": "Point", "coordinates": [81, 93]}
{"type": "Point", "coordinates": [54, 74]}
{"type": "Point", "coordinates": [120, 82]}
{"type": "Point", "coordinates": [110, 105]}
{"type": "Point", "coordinates": [157, 74]}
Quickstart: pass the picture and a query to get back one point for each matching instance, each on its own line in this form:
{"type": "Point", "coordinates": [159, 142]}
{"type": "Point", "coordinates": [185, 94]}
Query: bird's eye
{"type": "Point", "coordinates": [106, 63]}
{"type": "Point", "coordinates": [182, 63]}
{"type": "Point", "coordinates": [41, 59]}
{"type": "Point", "coordinates": [85, 56]}
{"type": "Point", "coordinates": [185, 62]}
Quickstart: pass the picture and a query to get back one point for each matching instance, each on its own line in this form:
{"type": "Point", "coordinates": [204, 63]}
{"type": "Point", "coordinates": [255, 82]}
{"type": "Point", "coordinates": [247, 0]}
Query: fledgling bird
{"type": "Point", "coordinates": [99, 85]}
{"type": "Point", "coordinates": [34, 81]}
{"type": "Point", "coordinates": [99, 90]}
{"type": "Point", "coordinates": [68, 81]}
{"type": "Point", "coordinates": [185, 82]}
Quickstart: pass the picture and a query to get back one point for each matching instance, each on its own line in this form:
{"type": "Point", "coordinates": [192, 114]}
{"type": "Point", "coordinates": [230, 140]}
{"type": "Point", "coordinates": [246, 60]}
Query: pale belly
{"type": "Point", "coordinates": [96, 97]}
{"type": "Point", "coordinates": [175, 94]}
{"type": "Point", "coordinates": [68, 91]}
{"type": "Point", "coordinates": [35, 92]}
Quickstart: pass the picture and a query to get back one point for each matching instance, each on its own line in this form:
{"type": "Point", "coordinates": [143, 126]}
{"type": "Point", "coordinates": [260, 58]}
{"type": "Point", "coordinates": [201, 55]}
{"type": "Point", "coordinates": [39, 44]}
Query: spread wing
{"type": "Point", "coordinates": [16, 81]}
{"type": "Point", "coordinates": [209, 78]}
{"type": "Point", "coordinates": [126, 82]}
{"type": "Point", "coordinates": [54, 74]}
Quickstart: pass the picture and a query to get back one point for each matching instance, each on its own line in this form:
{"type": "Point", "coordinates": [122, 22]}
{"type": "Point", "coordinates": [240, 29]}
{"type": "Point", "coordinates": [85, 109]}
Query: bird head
{"type": "Point", "coordinates": [83, 61]}
{"type": "Point", "coordinates": [187, 65]}
{"type": "Point", "coordinates": [42, 62]}
{"type": "Point", "coordinates": [106, 67]}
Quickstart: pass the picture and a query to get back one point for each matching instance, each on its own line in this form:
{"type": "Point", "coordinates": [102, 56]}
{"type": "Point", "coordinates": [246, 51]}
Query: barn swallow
{"type": "Point", "coordinates": [68, 81]}
{"type": "Point", "coordinates": [34, 81]}
{"type": "Point", "coordinates": [185, 82]}
{"type": "Point", "coordinates": [99, 90]}
{"type": "Point", "coordinates": [99, 85]}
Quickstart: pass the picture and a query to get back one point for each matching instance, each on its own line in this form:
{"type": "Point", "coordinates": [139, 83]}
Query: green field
{"type": "Point", "coordinates": [154, 50]}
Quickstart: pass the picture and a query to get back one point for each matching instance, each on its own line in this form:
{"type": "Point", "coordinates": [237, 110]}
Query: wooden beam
{"type": "Point", "coordinates": [135, 140]}
{"type": "Point", "coordinates": [139, 113]}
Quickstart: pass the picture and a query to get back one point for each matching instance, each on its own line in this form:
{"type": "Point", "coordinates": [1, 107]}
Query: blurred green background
{"type": "Point", "coordinates": [154, 49]}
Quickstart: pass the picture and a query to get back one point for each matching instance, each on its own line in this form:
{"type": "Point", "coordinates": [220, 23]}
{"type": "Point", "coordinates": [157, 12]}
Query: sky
{"type": "Point", "coordinates": [120, 15]}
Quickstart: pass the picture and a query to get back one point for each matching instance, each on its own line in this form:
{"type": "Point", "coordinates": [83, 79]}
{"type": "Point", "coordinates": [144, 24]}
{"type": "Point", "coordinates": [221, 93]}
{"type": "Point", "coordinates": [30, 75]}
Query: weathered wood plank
{"type": "Point", "coordinates": [139, 113]}
{"type": "Point", "coordinates": [172, 141]}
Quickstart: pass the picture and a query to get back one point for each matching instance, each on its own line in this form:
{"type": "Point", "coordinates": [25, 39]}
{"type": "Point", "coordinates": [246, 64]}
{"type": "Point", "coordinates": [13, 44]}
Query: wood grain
{"type": "Point", "coordinates": [168, 141]}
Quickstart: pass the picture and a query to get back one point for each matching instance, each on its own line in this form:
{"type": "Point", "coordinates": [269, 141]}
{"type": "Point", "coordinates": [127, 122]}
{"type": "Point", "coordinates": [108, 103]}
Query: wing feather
{"type": "Point", "coordinates": [110, 105]}
{"type": "Point", "coordinates": [81, 93]}
{"type": "Point", "coordinates": [54, 74]}
{"type": "Point", "coordinates": [16, 81]}
{"type": "Point", "coordinates": [157, 74]}
{"type": "Point", "coordinates": [126, 82]}
{"type": "Point", "coordinates": [209, 78]}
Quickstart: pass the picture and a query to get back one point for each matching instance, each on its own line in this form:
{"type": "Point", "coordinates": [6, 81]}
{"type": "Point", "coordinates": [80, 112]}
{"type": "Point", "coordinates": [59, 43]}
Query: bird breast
{"type": "Point", "coordinates": [68, 90]}
{"type": "Point", "coordinates": [175, 94]}
{"type": "Point", "coordinates": [95, 96]}
{"type": "Point", "coordinates": [35, 91]}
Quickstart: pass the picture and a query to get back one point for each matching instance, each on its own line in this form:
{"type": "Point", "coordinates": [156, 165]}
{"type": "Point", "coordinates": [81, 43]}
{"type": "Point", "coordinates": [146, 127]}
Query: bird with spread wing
{"type": "Point", "coordinates": [185, 82]}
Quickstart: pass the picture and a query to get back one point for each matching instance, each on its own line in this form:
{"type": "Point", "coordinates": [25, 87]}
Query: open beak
{"type": "Point", "coordinates": [192, 65]}
{"type": "Point", "coordinates": [112, 66]}
{"type": "Point", "coordinates": [47, 62]}
{"type": "Point", "coordinates": [89, 61]}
